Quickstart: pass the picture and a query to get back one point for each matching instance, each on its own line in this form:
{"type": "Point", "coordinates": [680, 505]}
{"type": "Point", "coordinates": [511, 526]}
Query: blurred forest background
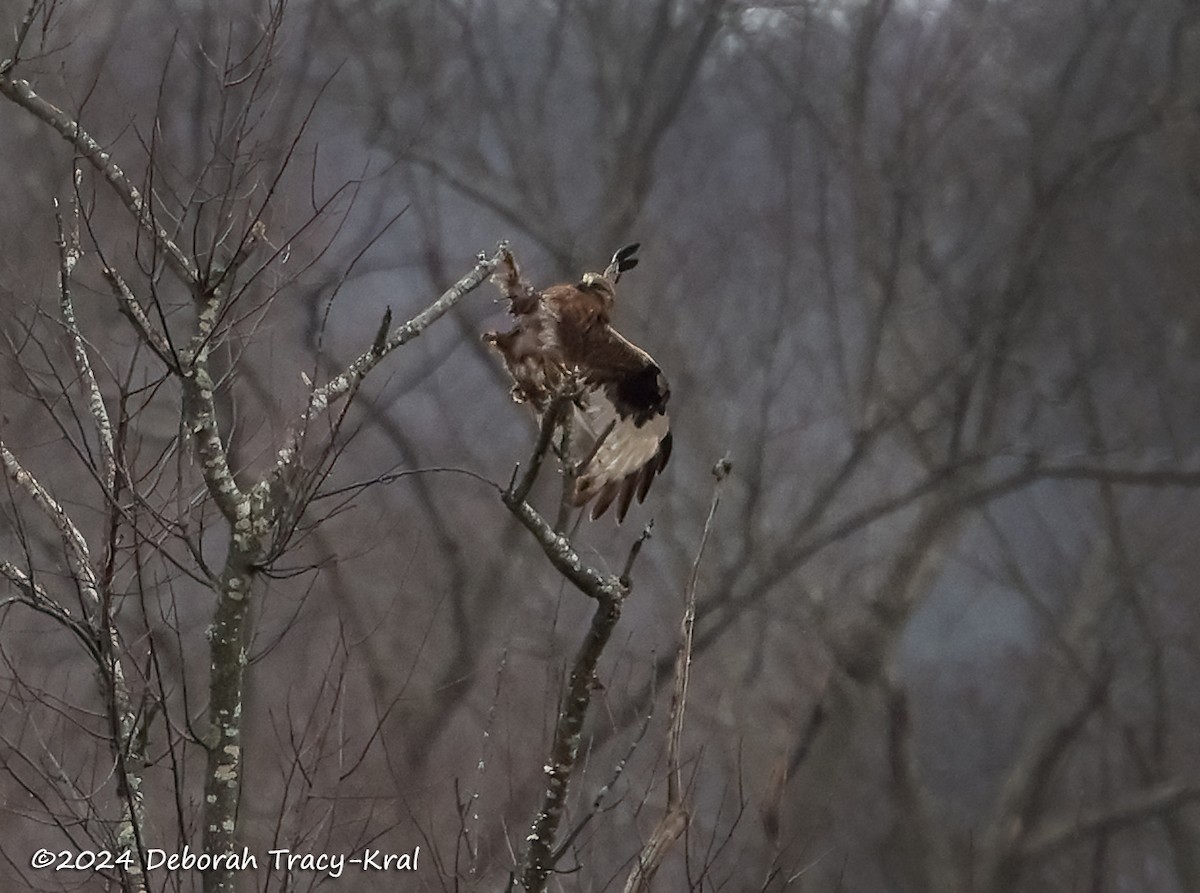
{"type": "Point", "coordinates": [927, 269]}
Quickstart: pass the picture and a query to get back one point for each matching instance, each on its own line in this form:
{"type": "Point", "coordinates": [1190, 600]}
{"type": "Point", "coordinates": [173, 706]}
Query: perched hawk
{"type": "Point", "coordinates": [620, 434]}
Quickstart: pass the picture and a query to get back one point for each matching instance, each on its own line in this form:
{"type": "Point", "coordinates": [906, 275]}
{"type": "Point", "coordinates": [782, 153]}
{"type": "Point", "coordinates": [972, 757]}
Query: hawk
{"type": "Point", "coordinates": [620, 434]}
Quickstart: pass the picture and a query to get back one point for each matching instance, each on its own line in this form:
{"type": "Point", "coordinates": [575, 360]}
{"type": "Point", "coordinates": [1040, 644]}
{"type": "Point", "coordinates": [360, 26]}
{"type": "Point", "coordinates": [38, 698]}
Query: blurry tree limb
{"type": "Point", "coordinates": [920, 853]}
{"type": "Point", "coordinates": [1151, 474]}
{"type": "Point", "coordinates": [1152, 802]}
{"type": "Point", "coordinates": [967, 483]}
{"type": "Point", "coordinates": [1064, 705]}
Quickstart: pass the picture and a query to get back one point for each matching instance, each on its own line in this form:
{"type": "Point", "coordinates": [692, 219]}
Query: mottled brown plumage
{"type": "Point", "coordinates": [620, 434]}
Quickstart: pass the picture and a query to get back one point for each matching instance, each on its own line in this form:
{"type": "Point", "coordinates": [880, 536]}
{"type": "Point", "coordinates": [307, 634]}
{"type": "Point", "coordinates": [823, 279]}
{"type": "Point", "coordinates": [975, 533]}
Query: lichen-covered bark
{"type": "Point", "coordinates": [565, 749]}
{"type": "Point", "coordinates": [227, 668]}
{"type": "Point", "coordinates": [98, 630]}
{"type": "Point", "coordinates": [249, 523]}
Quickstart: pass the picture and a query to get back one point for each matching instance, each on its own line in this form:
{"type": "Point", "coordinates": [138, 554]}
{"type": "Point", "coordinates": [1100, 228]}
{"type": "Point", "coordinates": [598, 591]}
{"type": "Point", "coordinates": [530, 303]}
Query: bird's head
{"type": "Point", "coordinates": [599, 285]}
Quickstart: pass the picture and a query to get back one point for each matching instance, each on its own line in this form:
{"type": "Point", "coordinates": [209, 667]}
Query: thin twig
{"type": "Point", "coordinates": [322, 397]}
{"type": "Point", "coordinates": [674, 821]}
{"type": "Point", "coordinates": [20, 92]}
{"type": "Point", "coordinates": [598, 805]}
{"type": "Point", "coordinates": [76, 546]}
{"type": "Point", "coordinates": [129, 307]}
{"type": "Point", "coordinates": [551, 418]}
{"type": "Point", "coordinates": [634, 551]}
{"type": "Point", "coordinates": [36, 598]}
{"type": "Point", "coordinates": [7, 65]}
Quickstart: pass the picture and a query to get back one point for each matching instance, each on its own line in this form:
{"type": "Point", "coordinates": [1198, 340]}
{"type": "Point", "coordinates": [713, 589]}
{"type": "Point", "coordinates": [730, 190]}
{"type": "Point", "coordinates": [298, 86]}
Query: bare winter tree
{"type": "Point", "coordinates": [152, 521]}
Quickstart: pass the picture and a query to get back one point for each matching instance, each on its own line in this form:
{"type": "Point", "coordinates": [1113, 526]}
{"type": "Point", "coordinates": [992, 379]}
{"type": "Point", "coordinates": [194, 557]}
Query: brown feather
{"type": "Point", "coordinates": [628, 488]}
{"type": "Point", "coordinates": [664, 451]}
{"type": "Point", "coordinates": [607, 494]}
{"type": "Point", "coordinates": [645, 479]}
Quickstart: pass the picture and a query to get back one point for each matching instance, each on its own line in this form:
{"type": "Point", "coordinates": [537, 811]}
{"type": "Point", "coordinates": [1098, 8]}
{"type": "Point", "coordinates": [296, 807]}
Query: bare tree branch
{"type": "Point", "coordinates": [1054, 834]}
{"type": "Point", "coordinates": [674, 820]}
{"type": "Point", "coordinates": [322, 397]}
{"type": "Point", "coordinates": [20, 92]}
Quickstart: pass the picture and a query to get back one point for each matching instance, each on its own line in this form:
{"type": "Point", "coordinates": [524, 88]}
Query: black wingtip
{"type": "Point", "coordinates": [624, 259]}
{"type": "Point", "coordinates": [628, 251]}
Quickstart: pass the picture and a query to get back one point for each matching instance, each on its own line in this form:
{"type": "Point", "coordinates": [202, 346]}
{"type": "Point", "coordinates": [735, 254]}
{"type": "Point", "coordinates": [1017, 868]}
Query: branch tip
{"type": "Point", "coordinates": [723, 468]}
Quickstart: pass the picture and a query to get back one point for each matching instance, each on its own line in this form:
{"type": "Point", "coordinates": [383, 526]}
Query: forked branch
{"type": "Point", "coordinates": [609, 593]}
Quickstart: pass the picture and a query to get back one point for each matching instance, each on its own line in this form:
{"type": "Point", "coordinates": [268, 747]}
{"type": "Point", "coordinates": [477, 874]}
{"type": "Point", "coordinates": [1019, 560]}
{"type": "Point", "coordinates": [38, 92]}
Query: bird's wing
{"type": "Point", "coordinates": [622, 457]}
{"type": "Point", "coordinates": [621, 416]}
